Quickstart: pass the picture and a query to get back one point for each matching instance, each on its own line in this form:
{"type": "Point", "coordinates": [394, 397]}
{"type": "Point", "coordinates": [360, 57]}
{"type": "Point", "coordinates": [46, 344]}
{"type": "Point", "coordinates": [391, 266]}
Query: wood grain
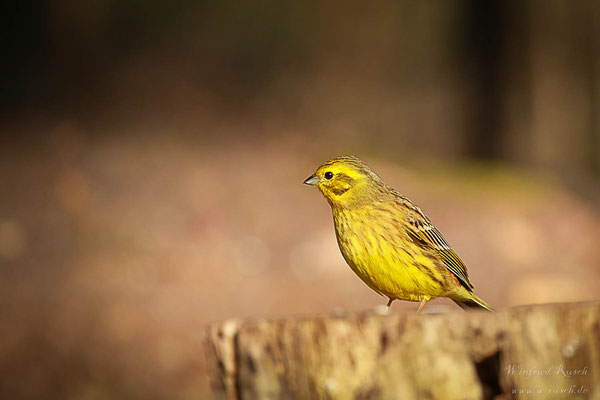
{"type": "Point", "coordinates": [543, 352]}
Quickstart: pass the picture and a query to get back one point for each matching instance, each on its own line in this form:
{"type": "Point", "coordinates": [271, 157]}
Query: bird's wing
{"type": "Point", "coordinates": [424, 234]}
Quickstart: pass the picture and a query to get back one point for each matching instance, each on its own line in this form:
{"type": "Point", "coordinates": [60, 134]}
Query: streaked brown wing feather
{"type": "Point", "coordinates": [422, 231]}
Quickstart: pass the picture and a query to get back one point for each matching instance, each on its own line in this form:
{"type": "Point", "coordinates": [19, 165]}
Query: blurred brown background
{"type": "Point", "coordinates": [152, 154]}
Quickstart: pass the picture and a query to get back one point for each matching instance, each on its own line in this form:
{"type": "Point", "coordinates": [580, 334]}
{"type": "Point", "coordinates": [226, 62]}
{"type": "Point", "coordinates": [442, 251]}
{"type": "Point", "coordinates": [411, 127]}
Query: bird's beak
{"type": "Point", "coordinates": [311, 180]}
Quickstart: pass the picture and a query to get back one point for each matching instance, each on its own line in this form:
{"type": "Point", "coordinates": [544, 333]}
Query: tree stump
{"type": "Point", "coordinates": [542, 352]}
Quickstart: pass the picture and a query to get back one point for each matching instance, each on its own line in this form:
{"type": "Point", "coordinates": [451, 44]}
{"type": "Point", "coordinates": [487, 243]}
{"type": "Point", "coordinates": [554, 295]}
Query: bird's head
{"type": "Point", "coordinates": [345, 180]}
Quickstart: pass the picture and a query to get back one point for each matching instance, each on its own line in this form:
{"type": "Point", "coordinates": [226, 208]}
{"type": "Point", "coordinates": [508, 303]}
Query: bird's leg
{"type": "Point", "coordinates": [389, 304]}
{"type": "Point", "coordinates": [423, 301]}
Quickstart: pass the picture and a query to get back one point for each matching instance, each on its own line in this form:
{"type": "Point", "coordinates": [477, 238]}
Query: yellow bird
{"type": "Point", "coordinates": [387, 240]}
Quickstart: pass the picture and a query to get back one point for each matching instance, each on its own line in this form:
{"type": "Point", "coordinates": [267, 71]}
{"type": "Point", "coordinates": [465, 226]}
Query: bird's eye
{"type": "Point", "coordinates": [328, 175]}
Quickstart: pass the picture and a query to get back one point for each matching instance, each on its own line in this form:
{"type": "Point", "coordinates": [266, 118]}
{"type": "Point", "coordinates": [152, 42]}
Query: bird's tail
{"type": "Point", "coordinates": [473, 302]}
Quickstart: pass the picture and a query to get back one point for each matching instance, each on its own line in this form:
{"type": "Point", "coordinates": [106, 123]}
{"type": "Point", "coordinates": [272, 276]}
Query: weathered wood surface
{"type": "Point", "coordinates": [542, 352]}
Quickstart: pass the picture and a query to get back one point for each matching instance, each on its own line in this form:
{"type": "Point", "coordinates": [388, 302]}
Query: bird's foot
{"type": "Point", "coordinates": [423, 301]}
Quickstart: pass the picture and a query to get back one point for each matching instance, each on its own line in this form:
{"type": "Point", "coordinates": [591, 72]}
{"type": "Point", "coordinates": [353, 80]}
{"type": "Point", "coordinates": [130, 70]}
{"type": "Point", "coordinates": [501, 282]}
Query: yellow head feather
{"type": "Point", "coordinates": [346, 180]}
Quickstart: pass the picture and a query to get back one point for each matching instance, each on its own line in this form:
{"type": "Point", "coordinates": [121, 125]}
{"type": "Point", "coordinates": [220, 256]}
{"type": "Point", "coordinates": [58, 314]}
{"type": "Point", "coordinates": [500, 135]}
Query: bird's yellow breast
{"type": "Point", "coordinates": [378, 250]}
